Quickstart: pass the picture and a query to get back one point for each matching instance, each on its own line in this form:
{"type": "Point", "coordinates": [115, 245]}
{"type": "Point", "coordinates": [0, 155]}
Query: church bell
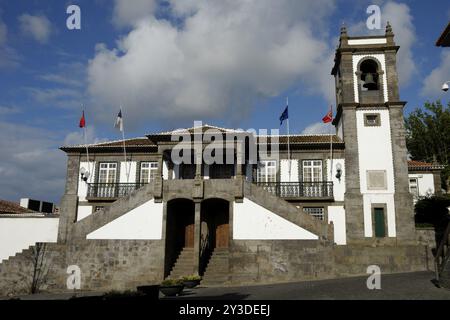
{"type": "Point", "coordinates": [369, 83]}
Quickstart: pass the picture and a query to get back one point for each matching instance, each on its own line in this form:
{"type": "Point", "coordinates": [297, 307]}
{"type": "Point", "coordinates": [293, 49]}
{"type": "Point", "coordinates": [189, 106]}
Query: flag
{"type": "Point", "coordinates": [284, 115]}
{"type": "Point", "coordinates": [119, 121]}
{"type": "Point", "coordinates": [82, 121]}
{"type": "Point", "coordinates": [328, 117]}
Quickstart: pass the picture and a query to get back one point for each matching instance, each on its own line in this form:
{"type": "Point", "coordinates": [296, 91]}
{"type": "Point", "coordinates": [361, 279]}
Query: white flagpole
{"type": "Point", "coordinates": [124, 148]}
{"type": "Point", "coordinates": [289, 148]}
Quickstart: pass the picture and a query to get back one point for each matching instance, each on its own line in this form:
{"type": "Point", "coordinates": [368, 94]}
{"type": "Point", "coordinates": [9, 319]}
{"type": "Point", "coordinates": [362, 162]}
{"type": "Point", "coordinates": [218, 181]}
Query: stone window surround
{"type": "Point", "coordinates": [372, 212]}
{"type": "Point", "coordinates": [378, 120]}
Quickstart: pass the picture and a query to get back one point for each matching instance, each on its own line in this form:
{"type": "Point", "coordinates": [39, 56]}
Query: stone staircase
{"type": "Point", "coordinates": [217, 271]}
{"type": "Point", "coordinates": [184, 265]}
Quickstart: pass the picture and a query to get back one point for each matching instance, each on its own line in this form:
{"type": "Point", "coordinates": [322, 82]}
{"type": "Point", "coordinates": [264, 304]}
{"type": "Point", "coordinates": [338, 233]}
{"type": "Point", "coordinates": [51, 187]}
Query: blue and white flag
{"type": "Point", "coordinates": [284, 115]}
{"type": "Point", "coordinates": [119, 121]}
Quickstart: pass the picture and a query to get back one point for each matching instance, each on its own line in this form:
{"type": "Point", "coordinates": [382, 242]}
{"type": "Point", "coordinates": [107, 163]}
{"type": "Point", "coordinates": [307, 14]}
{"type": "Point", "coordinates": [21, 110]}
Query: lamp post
{"type": "Point", "coordinates": [445, 86]}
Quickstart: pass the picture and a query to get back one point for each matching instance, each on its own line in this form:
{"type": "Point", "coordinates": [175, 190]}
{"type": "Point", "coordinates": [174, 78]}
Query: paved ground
{"type": "Point", "coordinates": [407, 286]}
{"type": "Point", "coordinates": [416, 285]}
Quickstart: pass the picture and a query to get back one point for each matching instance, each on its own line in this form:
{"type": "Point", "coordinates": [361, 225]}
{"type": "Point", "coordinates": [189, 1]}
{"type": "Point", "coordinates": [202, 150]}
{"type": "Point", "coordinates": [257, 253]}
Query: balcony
{"type": "Point", "coordinates": [321, 190]}
{"type": "Point", "coordinates": [110, 191]}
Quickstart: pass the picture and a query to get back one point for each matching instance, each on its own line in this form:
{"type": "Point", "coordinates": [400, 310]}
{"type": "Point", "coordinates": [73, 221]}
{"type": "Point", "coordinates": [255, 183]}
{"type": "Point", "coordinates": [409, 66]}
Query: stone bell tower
{"type": "Point", "coordinates": [378, 206]}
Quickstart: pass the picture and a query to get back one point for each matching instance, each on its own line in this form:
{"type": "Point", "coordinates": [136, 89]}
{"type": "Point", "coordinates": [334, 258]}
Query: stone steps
{"type": "Point", "coordinates": [217, 271]}
{"type": "Point", "coordinates": [184, 265]}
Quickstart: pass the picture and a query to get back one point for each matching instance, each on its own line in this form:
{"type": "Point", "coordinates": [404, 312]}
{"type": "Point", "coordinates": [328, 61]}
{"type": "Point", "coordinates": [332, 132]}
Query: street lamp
{"type": "Point", "coordinates": [445, 86]}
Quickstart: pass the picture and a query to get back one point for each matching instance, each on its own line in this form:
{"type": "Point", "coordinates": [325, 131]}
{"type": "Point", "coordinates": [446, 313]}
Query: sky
{"type": "Point", "coordinates": [228, 63]}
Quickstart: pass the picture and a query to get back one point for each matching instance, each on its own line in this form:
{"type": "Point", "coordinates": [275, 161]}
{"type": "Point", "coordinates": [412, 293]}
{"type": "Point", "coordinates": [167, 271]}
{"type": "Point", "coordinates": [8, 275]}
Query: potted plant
{"type": "Point", "coordinates": [171, 287]}
{"type": "Point", "coordinates": [191, 281]}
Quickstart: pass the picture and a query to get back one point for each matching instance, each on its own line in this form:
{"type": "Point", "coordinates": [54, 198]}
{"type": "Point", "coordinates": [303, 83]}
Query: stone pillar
{"type": "Point", "coordinates": [69, 201]}
{"type": "Point", "coordinates": [197, 235]}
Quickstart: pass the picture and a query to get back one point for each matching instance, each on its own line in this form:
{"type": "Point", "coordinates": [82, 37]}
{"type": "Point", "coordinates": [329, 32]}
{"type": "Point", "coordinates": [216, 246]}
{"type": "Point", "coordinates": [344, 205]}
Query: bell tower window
{"type": "Point", "coordinates": [369, 75]}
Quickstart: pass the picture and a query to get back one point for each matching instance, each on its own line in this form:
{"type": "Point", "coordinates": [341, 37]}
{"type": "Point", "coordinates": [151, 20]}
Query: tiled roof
{"type": "Point", "coordinates": [307, 139]}
{"type": "Point", "coordinates": [8, 207]}
{"type": "Point", "coordinates": [421, 165]}
{"type": "Point", "coordinates": [133, 142]}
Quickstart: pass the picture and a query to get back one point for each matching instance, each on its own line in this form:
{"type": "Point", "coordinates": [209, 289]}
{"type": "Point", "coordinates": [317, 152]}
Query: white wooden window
{"type": "Point", "coordinates": [312, 170]}
{"type": "Point", "coordinates": [149, 170]}
{"type": "Point", "coordinates": [267, 171]}
{"type": "Point", "coordinates": [107, 172]}
{"type": "Point", "coordinates": [414, 187]}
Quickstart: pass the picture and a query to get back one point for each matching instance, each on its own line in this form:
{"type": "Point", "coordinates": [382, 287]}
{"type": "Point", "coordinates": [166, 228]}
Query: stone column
{"type": "Point", "coordinates": [69, 201]}
{"type": "Point", "coordinates": [197, 235]}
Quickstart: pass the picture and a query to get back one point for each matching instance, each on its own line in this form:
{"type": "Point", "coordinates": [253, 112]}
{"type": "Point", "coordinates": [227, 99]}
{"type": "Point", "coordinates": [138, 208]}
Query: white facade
{"type": "Point", "coordinates": [253, 222]}
{"type": "Point", "coordinates": [20, 231]}
{"type": "Point", "coordinates": [425, 184]}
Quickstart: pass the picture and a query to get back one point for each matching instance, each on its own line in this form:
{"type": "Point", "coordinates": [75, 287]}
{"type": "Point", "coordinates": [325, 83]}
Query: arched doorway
{"type": "Point", "coordinates": [215, 216]}
{"type": "Point", "coordinates": [179, 230]}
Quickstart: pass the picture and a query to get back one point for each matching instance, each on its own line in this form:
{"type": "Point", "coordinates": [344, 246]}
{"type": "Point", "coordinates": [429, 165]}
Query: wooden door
{"type": "Point", "coordinates": [222, 235]}
{"type": "Point", "coordinates": [189, 236]}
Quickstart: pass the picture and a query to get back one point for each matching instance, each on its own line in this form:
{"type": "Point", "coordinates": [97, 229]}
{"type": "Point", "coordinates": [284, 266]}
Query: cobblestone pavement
{"type": "Point", "coordinates": [417, 285]}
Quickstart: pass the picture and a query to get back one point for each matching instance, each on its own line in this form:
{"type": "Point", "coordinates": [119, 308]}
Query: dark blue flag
{"type": "Point", "coordinates": [284, 115]}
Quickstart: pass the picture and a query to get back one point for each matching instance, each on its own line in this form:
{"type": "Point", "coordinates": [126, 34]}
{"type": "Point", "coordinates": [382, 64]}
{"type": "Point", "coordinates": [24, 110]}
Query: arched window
{"type": "Point", "coordinates": [369, 75]}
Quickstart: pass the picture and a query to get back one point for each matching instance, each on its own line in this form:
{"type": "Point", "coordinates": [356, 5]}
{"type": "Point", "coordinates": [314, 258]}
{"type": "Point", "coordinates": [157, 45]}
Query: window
{"type": "Point", "coordinates": [316, 212]}
{"type": "Point", "coordinates": [107, 172]}
{"type": "Point", "coordinates": [372, 120]}
{"type": "Point", "coordinates": [380, 227]}
{"type": "Point", "coordinates": [312, 170]}
{"type": "Point", "coordinates": [267, 171]}
{"type": "Point", "coordinates": [414, 187]}
{"type": "Point", "coordinates": [149, 170]}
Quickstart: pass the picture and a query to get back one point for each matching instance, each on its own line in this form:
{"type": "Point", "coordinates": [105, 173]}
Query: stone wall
{"type": "Point", "coordinates": [105, 265]}
{"type": "Point", "coordinates": [293, 260]}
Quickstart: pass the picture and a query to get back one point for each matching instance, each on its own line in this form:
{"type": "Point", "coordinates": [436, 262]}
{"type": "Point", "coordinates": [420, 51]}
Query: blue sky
{"type": "Point", "coordinates": [170, 63]}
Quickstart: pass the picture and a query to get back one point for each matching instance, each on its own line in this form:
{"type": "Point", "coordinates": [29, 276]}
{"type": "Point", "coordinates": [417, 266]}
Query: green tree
{"type": "Point", "coordinates": [428, 135]}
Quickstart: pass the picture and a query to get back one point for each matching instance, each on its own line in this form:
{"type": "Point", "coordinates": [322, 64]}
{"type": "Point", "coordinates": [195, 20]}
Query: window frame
{"type": "Point", "coordinates": [266, 174]}
{"type": "Point", "coordinates": [312, 166]}
{"type": "Point", "coordinates": [150, 171]}
{"type": "Point", "coordinates": [377, 120]}
{"type": "Point", "coordinates": [117, 171]}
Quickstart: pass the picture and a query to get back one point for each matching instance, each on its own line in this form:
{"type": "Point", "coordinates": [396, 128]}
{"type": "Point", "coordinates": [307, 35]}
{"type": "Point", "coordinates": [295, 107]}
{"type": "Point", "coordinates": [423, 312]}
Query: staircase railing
{"type": "Point", "coordinates": [111, 190]}
{"type": "Point", "coordinates": [442, 252]}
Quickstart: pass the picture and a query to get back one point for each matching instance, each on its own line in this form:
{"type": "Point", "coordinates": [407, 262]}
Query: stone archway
{"type": "Point", "coordinates": [179, 230]}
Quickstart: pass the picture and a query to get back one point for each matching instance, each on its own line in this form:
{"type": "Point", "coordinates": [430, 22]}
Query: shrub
{"type": "Point", "coordinates": [192, 277]}
{"type": "Point", "coordinates": [171, 282]}
{"type": "Point", "coordinates": [433, 210]}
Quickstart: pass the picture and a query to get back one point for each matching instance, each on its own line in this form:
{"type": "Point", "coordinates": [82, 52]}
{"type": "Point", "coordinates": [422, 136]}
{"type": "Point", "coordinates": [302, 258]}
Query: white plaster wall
{"type": "Point", "coordinates": [337, 215]}
{"type": "Point", "coordinates": [141, 223]}
{"type": "Point", "coordinates": [165, 170]}
{"type": "Point", "coordinates": [356, 59]}
{"type": "Point", "coordinates": [387, 199]}
{"type": "Point", "coordinates": [375, 149]}
{"type": "Point", "coordinates": [83, 212]}
{"type": "Point", "coordinates": [425, 183]}
{"type": "Point", "coordinates": [82, 186]}
{"type": "Point", "coordinates": [129, 168]}
{"type": "Point", "coordinates": [354, 42]}
{"type": "Point", "coordinates": [284, 170]}
{"type": "Point", "coordinates": [338, 186]}
{"type": "Point", "coordinates": [17, 234]}
{"type": "Point", "coordinates": [253, 222]}
{"type": "Point", "coordinates": [340, 131]}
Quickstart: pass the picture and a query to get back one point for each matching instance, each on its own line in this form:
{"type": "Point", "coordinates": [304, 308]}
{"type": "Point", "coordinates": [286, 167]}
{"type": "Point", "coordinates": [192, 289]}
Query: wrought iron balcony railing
{"type": "Point", "coordinates": [111, 190]}
{"type": "Point", "coordinates": [320, 189]}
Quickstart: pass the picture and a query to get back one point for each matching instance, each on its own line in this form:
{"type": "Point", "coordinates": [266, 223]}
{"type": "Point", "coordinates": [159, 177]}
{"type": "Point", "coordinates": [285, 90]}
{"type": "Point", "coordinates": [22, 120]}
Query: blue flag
{"type": "Point", "coordinates": [284, 115]}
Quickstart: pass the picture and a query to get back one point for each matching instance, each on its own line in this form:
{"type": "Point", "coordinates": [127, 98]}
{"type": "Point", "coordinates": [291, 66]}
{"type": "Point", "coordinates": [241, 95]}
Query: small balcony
{"type": "Point", "coordinates": [321, 190]}
{"type": "Point", "coordinates": [110, 191]}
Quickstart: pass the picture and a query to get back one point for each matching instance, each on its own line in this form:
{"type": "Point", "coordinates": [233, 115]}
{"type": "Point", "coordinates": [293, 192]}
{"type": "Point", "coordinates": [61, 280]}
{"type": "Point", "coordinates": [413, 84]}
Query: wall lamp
{"type": "Point", "coordinates": [84, 174]}
{"type": "Point", "coordinates": [338, 171]}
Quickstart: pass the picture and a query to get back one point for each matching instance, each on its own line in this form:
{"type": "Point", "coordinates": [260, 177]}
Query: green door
{"type": "Point", "coordinates": [380, 229]}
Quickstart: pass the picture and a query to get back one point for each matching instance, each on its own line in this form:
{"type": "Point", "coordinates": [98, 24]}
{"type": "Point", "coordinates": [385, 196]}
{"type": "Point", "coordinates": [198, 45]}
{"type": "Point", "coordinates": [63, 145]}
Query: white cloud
{"type": "Point", "coordinates": [36, 26]}
{"type": "Point", "coordinates": [399, 16]}
{"type": "Point", "coordinates": [77, 137]}
{"type": "Point", "coordinates": [432, 84]}
{"type": "Point", "coordinates": [127, 14]}
{"type": "Point", "coordinates": [318, 128]}
{"type": "Point", "coordinates": [225, 55]}
{"type": "Point", "coordinates": [30, 163]}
